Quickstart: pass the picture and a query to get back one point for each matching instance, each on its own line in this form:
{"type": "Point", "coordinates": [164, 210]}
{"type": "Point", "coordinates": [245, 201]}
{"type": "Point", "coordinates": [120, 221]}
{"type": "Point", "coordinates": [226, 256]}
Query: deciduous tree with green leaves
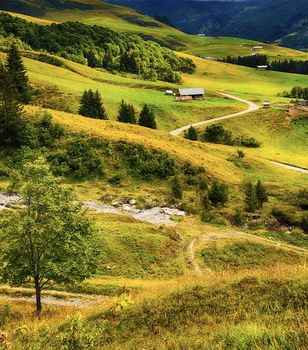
{"type": "Point", "coordinates": [49, 240]}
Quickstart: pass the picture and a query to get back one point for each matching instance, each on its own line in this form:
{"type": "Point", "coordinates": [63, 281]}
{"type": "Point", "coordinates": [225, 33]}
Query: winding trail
{"type": "Point", "coordinates": [234, 235]}
{"type": "Point", "coordinates": [252, 107]}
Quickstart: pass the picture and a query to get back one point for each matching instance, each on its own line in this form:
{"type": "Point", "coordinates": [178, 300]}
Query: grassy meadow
{"type": "Point", "coordinates": [199, 285]}
{"type": "Point", "coordinates": [282, 136]}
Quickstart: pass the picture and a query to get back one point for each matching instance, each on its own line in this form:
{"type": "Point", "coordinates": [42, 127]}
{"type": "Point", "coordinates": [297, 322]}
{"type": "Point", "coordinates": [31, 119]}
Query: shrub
{"type": "Point", "coordinates": [301, 199]}
{"type": "Point", "coordinates": [44, 133]}
{"type": "Point", "coordinates": [115, 180]}
{"type": "Point", "coordinates": [192, 134]}
{"type": "Point", "coordinates": [219, 193]}
{"type": "Point", "coordinates": [176, 187]}
{"type": "Point", "coordinates": [304, 223]}
{"type": "Point", "coordinates": [146, 163]}
{"type": "Point", "coordinates": [79, 159]}
{"type": "Point", "coordinates": [283, 217]}
{"type": "Point", "coordinates": [214, 133]}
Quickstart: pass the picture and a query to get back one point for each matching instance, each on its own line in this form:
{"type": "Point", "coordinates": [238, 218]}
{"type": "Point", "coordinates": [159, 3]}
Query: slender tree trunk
{"type": "Point", "coordinates": [38, 297]}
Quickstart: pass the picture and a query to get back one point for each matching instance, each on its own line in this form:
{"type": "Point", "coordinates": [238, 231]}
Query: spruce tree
{"type": "Point", "coordinates": [219, 194]}
{"type": "Point", "coordinates": [84, 104]}
{"type": "Point", "coordinates": [13, 124]}
{"type": "Point", "coordinates": [99, 109]}
{"type": "Point", "coordinates": [147, 118]}
{"type": "Point", "coordinates": [251, 201]}
{"type": "Point", "coordinates": [261, 194]}
{"type": "Point", "coordinates": [91, 105]}
{"type": "Point", "coordinates": [192, 134]}
{"type": "Point", "coordinates": [18, 74]}
{"type": "Point", "coordinates": [127, 113]}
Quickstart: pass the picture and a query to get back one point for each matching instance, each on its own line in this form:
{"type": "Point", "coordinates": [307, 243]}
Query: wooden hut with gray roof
{"type": "Point", "coordinates": [190, 94]}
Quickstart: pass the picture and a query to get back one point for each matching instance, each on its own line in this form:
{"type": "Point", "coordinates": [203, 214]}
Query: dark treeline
{"type": "Point", "coordinates": [291, 66]}
{"type": "Point", "coordinates": [288, 66]}
{"type": "Point", "coordinates": [99, 47]}
{"type": "Point", "coordinates": [247, 61]}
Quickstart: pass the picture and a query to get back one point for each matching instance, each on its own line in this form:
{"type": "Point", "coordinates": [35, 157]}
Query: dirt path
{"type": "Point", "coordinates": [252, 107]}
{"type": "Point", "coordinates": [228, 234]}
{"type": "Point", "coordinates": [290, 167]}
{"type": "Point", "coordinates": [51, 297]}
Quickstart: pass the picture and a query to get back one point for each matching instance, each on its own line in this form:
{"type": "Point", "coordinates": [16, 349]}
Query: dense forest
{"type": "Point", "coordinates": [99, 47]}
{"type": "Point", "coordinates": [289, 66]}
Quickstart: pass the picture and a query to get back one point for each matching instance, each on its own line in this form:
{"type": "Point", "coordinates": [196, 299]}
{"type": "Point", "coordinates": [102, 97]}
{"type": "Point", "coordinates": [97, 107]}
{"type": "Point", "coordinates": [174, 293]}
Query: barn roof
{"type": "Point", "coordinates": [191, 92]}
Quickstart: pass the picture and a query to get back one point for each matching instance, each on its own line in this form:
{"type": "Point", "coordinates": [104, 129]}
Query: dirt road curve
{"type": "Point", "coordinates": [252, 107]}
{"type": "Point", "coordinates": [290, 167]}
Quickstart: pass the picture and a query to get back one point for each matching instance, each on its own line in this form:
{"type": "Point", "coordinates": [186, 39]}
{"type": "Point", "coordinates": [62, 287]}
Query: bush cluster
{"type": "Point", "coordinates": [218, 134]}
{"type": "Point", "coordinates": [146, 163]}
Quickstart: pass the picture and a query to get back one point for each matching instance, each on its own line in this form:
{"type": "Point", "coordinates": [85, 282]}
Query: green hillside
{"type": "Point", "coordinates": [123, 19]}
{"type": "Point", "coordinates": [196, 244]}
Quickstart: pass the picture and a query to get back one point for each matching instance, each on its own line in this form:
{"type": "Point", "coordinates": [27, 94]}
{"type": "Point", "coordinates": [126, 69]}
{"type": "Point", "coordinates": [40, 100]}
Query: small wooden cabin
{"type": "Point", "coordinates": [302, 102]}
{"type": "Point", "coordinates": [262, 67]}
{"type": "Point", "coordinates": [191, 94]}
{"type": "Point", "coordinates": [266, 104]}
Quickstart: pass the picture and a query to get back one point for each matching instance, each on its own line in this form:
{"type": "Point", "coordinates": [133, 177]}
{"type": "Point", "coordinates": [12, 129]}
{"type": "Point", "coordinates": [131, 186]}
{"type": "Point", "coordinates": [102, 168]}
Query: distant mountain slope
{"type": "Point", "coordinates": [123, 19]}
{"type": "Point", "coordinates": [263, 20]}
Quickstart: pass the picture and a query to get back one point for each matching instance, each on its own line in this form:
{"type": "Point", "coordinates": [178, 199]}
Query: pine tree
{"type": "Point", "coordinates": [13, 124]}
{"type": "Point", "coordinates": [127, 113]}
{"type": "Point", "coordinates": [100, 112]}
{"type": "Point", "coordinates": [91, 105]}
{"type": "Point", "coordinates": [219, 194]}
{"type": "Point", "coordinates": [147, 118]}
{"type": "Point", "coordinates": [18, 74]}
{"type": "Point", "coordinates": [261, 194]}
{"type": "Point", "coordinates": [251, 200]}
{"type": "Point", "coordinates": [192, 134]}
{"type": "Point", "coordinates": [84, 104]}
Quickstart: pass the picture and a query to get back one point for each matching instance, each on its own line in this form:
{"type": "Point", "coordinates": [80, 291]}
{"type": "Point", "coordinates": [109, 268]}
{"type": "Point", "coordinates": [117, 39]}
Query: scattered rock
{"type": "Point", "coordinates": [102, 209]}
{"type": "Point", "coordinates": [6, 200]}
{"type": "Point", "coordinates": [156, 215]}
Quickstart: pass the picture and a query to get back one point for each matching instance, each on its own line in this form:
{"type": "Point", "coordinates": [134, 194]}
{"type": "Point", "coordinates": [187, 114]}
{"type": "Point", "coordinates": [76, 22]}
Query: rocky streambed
{"type": "Point", "coordinates": [155, 215]}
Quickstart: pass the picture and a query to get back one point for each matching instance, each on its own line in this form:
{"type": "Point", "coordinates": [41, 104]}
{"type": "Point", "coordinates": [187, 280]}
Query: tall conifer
{"type": "Point", "coordinates": [13, 125]}
{"type": "Point", "coordinates": [127, 113]}
{"type": "Point", "coordinates": [147, 118]}
{"type": "Point", "coordinates": [18, 74]}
